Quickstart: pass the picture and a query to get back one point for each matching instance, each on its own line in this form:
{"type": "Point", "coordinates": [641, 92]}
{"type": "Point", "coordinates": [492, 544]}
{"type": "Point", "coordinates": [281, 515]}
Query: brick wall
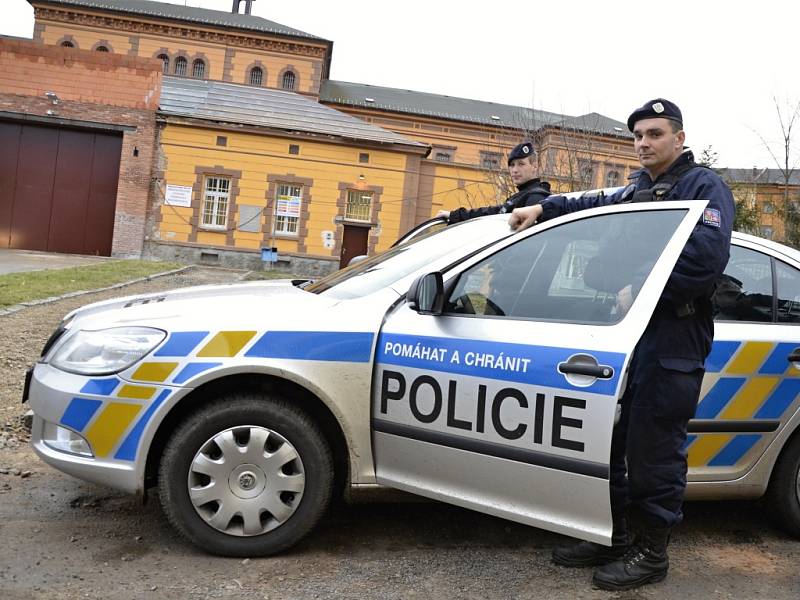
{"type": "Point", "coordinates": [31, 69]}
{"type": "Point", "coordinates": [99, 88]}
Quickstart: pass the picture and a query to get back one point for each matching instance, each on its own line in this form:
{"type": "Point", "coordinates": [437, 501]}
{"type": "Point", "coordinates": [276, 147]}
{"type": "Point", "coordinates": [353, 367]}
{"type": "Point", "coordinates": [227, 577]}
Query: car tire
{"type": "Point", "coordinates": [783, 494]}
{"type": "Point", "coordinates": [247, 475]}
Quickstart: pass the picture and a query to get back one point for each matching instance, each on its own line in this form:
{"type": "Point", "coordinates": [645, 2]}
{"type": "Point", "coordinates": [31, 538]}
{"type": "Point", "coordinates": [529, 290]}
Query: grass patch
{"type": "Point", "coordinates": [34, 285]}
{"type": "Point", "coordinates": [258, 275]}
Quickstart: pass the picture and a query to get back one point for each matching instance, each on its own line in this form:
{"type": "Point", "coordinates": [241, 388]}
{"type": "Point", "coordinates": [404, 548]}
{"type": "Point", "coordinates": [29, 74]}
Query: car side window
{"type": "Point", "coordinates": [744, 291]}
{"type": "Point", "coordinates": [569, 273]}
{"type": "Point", "coordinates": [788, 293]}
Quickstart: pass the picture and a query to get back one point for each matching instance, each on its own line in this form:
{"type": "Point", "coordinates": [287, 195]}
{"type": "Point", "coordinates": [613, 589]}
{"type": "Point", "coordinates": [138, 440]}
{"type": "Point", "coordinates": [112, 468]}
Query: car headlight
{"type": "Point", "coordinates": [106, 351]}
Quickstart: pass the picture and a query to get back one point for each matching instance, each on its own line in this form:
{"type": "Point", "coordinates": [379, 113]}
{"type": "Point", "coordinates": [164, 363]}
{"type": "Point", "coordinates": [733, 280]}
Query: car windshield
{"type": "Point", "coordinates": [378, 272]}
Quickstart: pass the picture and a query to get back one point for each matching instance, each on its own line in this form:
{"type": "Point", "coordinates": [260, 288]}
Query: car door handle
{"type": "Point", "coordinates": [794, 356]}
{"type": "Point", "coordinates": [599, 371]}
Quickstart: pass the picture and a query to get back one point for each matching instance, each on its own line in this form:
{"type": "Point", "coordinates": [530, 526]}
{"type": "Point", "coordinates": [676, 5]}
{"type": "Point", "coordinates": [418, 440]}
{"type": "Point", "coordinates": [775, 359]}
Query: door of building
{"type": "Point", "coordinates": [58, 188]}
{"type": "Point", "coordinates": [354, 243]}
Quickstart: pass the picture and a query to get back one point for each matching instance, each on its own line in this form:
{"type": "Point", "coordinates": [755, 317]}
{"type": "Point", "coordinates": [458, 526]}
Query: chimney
{"type": "Point", "coordinates": [248, 6]}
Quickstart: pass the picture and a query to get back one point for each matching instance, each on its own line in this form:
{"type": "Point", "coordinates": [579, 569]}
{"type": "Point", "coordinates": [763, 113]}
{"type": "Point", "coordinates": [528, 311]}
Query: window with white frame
{"type": "Point", "coordinates": [359, 205]}
{"type": "Point", "coordinates": [216, 199]}
{"type": "Point", "coordinates": [287, 208]}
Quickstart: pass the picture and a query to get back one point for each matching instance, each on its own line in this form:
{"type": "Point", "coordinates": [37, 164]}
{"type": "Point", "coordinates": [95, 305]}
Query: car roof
{"type": "Point", "coordinates": [771, 245]}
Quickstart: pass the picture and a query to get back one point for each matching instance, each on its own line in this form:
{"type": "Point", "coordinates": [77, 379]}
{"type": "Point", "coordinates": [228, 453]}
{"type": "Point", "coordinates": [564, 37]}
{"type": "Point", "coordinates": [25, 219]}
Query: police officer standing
{"type": "Point", "coordinates": [648, 460]}
{"type": "Point", "coordinates": [523, 169]}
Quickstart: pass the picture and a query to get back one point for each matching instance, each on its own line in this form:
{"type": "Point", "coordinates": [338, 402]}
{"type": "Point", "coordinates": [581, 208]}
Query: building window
{"type": "Point", "coordinates": [490, 160]}
{"type": "Point", "coordinates": [294, 149]}
{"type": "Point", "coordinates": [288, 81]}
{"type": "Point", "coordinates": [67, 44]}
{"type": "Point", "coordinates": [256, 76]}
{"type": "Point", "coordinates": [766, 232]}
{"type": "Point", "coordinates": [587, 175]}
{"type": "Point", "coordinates": [165, 62]}
{"type": "Point", "coordinates": [612, 179]}
{"type": "Point", "coordinates": [359, 205]}
{"type": "Point", "coordinates": [180, 66]}
{"type": "Point", "coordinates": [198, 69]}
{"type": "Point", "coordinates": [101, 49]}
{"type": "Point", "coordinates": [768, 208]}
{"type": "Point", "coordinates": [363, 157]}
{"type": "Point", "coordinates": [443, 157]}
{"type": "Point", "coordinates": [216, 199]}
{"type": "Point", "coordinates": [222, 140]}
{"type": "Point", "coordinates": [287, 208]}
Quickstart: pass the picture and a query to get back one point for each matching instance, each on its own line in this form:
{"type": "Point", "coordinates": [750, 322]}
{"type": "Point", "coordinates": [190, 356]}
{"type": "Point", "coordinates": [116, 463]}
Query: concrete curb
{"type": "Point", "coordinates": [18, 307]}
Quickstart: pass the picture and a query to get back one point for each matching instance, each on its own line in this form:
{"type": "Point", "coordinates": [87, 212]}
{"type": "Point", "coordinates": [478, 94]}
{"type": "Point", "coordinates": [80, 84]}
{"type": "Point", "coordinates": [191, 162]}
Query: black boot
{"type": "Point", "coordinates": [645, 562]}
{"type": "Point", "coordinates": [589, 554]}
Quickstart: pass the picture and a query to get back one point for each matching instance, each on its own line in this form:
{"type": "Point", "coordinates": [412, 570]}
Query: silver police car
{"type": "Point", "coordinates": [468, 364]}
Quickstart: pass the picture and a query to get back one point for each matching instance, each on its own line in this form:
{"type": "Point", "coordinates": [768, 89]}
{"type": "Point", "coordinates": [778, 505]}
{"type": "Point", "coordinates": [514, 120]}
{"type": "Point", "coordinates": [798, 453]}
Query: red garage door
{"type": "Point", "coordinates": [58, 188]}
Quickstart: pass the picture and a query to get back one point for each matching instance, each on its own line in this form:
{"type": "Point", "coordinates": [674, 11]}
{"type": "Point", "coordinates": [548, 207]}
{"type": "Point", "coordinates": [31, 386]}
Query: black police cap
{"type": "Point", "coordinates": [523, 150]}
{"type": "Point", "coordinates": [654, 109]}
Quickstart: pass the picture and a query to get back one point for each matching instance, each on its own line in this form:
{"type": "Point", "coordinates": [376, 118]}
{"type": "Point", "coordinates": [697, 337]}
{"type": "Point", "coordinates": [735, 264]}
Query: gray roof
{"type": "Point", "coordinates": [179, 12]}
{"type": "Point", "coordinates": [264, 107]}
{"type": "Point", "coordinates": [758, 175]}
{"type": "Point", "coordinates": [434, 105]}
{"type": "Point", "coordinates": [596, 123]}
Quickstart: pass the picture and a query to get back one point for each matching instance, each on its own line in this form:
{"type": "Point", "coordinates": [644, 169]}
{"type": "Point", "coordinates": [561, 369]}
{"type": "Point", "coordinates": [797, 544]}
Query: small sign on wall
{"type": "Point", "coordinates": [328, 239]}
{"type": "Point", "coordinates": [178, 195]}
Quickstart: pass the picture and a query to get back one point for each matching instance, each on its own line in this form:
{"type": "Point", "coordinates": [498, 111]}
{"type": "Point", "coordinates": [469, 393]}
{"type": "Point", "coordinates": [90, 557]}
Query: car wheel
{"type": "Point", "coordinates": [247, 475]}
{"type": "Point", "coordinates": [783, 494]}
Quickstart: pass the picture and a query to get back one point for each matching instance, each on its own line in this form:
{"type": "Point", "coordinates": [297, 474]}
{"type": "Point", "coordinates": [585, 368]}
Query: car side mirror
{"type": "Point", "coordinates": [426, 294]}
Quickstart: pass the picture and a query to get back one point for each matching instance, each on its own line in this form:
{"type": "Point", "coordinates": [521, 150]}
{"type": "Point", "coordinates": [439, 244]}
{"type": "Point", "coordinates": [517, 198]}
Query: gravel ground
{"type": "Point", "coordinates": [66, 539]}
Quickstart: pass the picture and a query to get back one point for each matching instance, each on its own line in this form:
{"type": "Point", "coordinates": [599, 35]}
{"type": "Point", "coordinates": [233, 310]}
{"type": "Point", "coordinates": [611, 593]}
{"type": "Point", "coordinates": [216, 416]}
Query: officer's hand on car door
{"type": "Point", "coordinates": [522, 218]}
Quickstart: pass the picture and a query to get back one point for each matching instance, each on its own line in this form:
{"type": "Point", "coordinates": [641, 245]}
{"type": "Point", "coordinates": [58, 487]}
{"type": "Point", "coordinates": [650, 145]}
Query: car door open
{"type": "Point", "coordinates": [502, 397]}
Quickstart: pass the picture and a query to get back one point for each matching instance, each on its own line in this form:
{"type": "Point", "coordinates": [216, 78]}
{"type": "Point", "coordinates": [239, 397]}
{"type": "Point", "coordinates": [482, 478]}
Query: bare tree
{"type": "Point", "coordinates": [786, 159]}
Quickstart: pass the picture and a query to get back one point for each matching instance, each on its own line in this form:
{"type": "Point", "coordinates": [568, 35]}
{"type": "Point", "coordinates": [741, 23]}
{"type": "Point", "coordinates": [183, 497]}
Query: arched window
{"type": "Point", "coordinates": [288, 81]}
{"type": "Point", "coordinates": [67, 44]}
{"type": "Point", "coordinates": [165, 60]}
{"type": "Point", "coordinates": [256, 76]}
{"type": "Point", "coordinates": [101, 49]}
{"type": "Point", "coordinates": [198, 69]}
{"type": "Point", "coordinates": [612, 179]}
{"type": "Point", "coordinates": [180, 66]}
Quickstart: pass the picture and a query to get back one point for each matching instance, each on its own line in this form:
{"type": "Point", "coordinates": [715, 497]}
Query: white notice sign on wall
{"type": "Point", "coordinates": [178, 195]}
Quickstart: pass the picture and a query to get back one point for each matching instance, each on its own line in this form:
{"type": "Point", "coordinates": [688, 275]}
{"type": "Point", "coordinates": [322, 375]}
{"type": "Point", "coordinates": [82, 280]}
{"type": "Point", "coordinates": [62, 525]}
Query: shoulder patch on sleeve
{"type": "Point", "coordinates": [711, 217]}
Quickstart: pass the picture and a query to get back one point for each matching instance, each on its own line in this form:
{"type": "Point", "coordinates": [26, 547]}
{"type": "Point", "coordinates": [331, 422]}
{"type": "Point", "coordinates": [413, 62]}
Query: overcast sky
{"type": "Point", "coordinates": [722, 63]}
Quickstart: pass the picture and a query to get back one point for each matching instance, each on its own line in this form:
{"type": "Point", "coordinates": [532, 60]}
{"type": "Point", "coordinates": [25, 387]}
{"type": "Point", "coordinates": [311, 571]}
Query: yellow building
{"type": "Point", "coordinates": [258, 148]}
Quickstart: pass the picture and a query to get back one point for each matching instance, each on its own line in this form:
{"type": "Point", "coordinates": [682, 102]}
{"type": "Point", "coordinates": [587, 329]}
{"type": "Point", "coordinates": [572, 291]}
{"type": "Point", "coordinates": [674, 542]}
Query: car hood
{"type": "Point", "coordinates": [232, 305]}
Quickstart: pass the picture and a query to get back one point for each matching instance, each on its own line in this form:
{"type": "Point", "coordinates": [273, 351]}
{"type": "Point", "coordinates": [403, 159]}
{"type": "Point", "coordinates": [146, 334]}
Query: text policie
{"type": "Point", "coordinates": [393, 388]}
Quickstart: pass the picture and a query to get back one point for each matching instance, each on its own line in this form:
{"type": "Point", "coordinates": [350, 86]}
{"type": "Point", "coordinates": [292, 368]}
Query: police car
{"type": "Point", "coordinates": [468, 364]}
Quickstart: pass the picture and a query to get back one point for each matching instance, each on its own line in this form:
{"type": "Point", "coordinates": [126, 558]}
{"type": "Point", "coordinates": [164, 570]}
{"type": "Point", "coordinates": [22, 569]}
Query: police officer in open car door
{"type": "Point", "coordinates": [648, 462]}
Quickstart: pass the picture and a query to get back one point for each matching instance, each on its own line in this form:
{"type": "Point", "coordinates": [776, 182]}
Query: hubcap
{"type": "Point", "coordinates": [246, 480]}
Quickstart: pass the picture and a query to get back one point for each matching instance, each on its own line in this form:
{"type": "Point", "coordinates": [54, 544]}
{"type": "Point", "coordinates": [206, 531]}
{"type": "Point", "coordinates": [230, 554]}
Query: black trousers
{"type": "Point", "coordinates": [648, 459]}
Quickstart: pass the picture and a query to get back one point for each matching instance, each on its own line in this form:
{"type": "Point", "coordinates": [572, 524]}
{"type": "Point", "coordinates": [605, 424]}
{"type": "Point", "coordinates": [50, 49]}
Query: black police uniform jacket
{"type": "Point", "coordinates": [530, 193]}
{"type": "Point", "coordinates": [680, 332]}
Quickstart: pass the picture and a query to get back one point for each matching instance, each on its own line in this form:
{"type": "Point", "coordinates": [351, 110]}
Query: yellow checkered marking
{"type": "Point", "coordinates": [706, 447]}
{"type": "Point", "coordinates": [154, 371]}
{"type": "Point", "coordinates": [105, 432]}
{"type": "Point", "coordinates": [749, 359]}
{"type": "Point", "coordinates": [136, 392]}
{"type": "Point", "coordinates": [748, 399]}
{"type": "Point", "coordinates": [226, 344]}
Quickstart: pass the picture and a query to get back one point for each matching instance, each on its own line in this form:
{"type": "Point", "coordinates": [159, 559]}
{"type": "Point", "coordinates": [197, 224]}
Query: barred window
{"type": "Point", "coordinates": [256, 76]}
{"type": "Point", "coordinates": [490, 160]}
{"type": "Point", "coordinates": [359, 205]}
{"type": "Point", "coordinates": [165, 61]}
{"type": "Point", "coordinates": [216, 199]}
{"type": "Point", "coordinates": [768, 207]}
{"type": "Point", "coordinates": [180, 66]}
{"type": "Point", "coordinates": [287, 208]}
{"type": "Point", "coordinates": [67, 44]}
{"type": "Point", "coordinates": [288, 81]}
{"type": "Point", "coordinates": [101, 49]}
{"type": "Point", "coordinates": [612, 179]}
{"type": "Point", "coordinates": [198, 69]}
